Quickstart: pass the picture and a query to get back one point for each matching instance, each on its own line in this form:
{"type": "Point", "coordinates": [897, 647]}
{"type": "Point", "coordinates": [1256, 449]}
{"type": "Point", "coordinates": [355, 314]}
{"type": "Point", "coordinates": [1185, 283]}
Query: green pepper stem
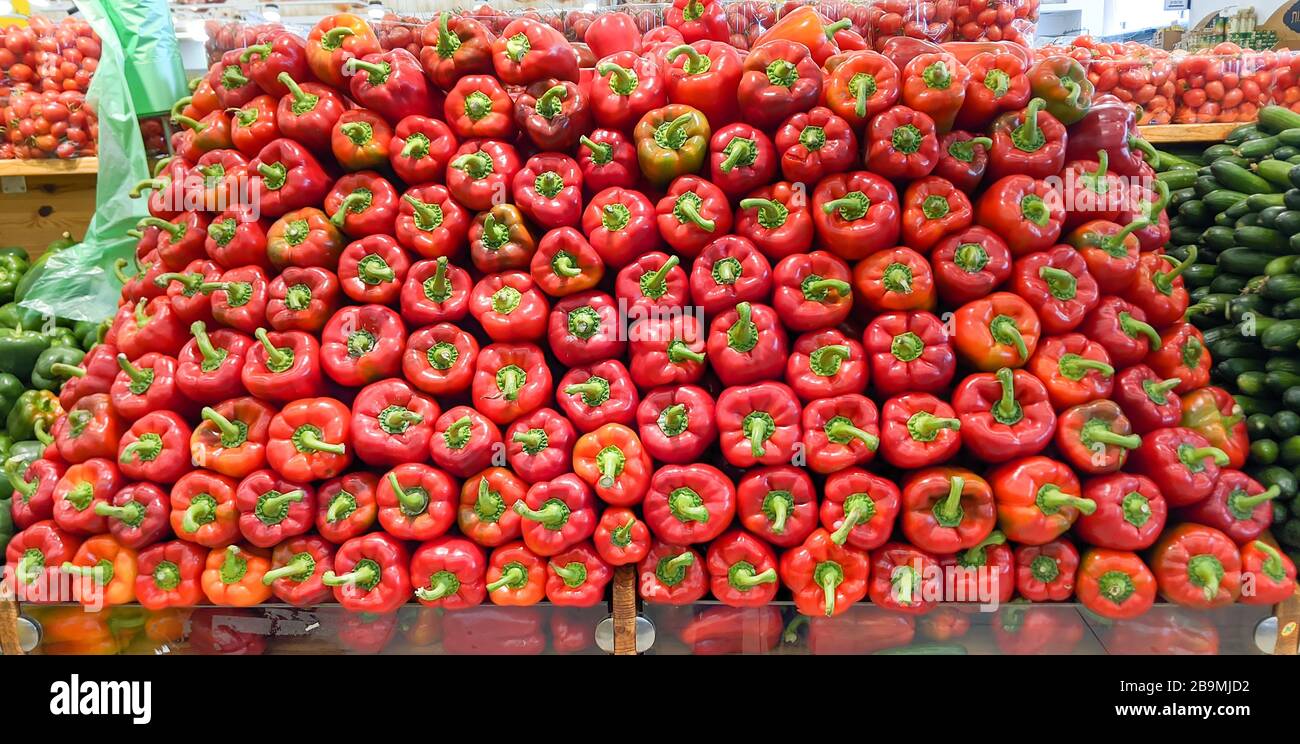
{"type": "Point", "coordinates": [155, 184]}
{"type": "Point", "coordinates": [59, 369]}
{"type": "Point", "coordinates": [199, 330]}
{"type": "Point", "coordinates": [1250, 502]}
{"type": "Point", "coordinates": [1164, 280]}
{"type": "Point", "coordinates": [136, 374]}
{"type": "Point", "coordinates": [170, 228]}
{"type": "Point", "coordinates": [660, 276]}
{"type": "Point", "coordinates": [512, 574]}
{"type": "Point", "coordinates": [745, 578]}
{"type": "Point", "coordinates": [1200, 453]}
{"type": "Point", "coordinates": [275, 504]}
{"type": "Point", "coordinates": [1132, 327]}
{"type": "Point", "coordinates": [440, 588]}
{"type": "Point", "coordinates": [688, 210]}
{"type": "Point", "coordinates": [851, 519]}
{"type": "Point", "coordinates": [275, 357]}
{"type": "Point", "coordinates": [770, 211]}
{"type": "Point", "coordinates": [551, 513]}
{"type": "Point", "coordinates": [362, 576]}
{"type": "Point", "coordinates": [950, 507]}
{"type": "Point", "coordinates": [288, 570]}
{"type": "Point", "coordinates": [227, 427]}
{"type": "Point", "coordinates": [1052, 497]}
{"type": "Point", "coordinates": [1007, 406]}
{"type": "Point", "coordinates": [193, 513]}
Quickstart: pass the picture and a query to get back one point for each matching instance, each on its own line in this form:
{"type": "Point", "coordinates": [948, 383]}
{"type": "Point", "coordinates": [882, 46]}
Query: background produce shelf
{"type": "Point", "coordinates": [49, 167]}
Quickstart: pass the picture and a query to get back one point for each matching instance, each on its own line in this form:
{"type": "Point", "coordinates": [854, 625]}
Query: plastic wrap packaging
{"type": "Point", "coordinates": [1137, 74]}
{"type": "Point", "coordinates": [1286, 80]}
{"type": "Point", "coordinates": [995, 20]}
{"type": "Point", "coordinates": [1225, 84]}
{"type": "Point", "coordinates": [46, 68]}
{"type": "Point", "coordinates": [918, 19]}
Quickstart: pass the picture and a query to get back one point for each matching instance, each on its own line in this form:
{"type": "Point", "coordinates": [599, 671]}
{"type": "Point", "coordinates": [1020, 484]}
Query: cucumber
{"type": "Point", "coordinates": [1277, 119]}
{"type": "Point", "coordinates": [1218, 238]}
{"type": "Point", "coordinates": [1177, 198]}
{"type": "Point", "coordinates": [1284, 479]}
{"type": "Point", "coordinates": [1169, 161]}
{"type": "Point", "coordinates": [1268, 217]}
{"type": "Point", "coordinates": [1280, 382]}
{"type": "Point", "coordinates": [1287, 222]}
{"type": "Point", "coordinates": [1289, 137]}
{"type": "Point", "coordinates": [1291, 399]}
{"type": "Point", "coordinates": [1263, 451]}
{"type": "Point", "coordinates": [1233, 345]}
{"type": "Point", "coordinates": [924, 649]}
{"type": "Point", "coordinates": [1214, 152]}
{"type": "Point", "coordinates": [1287, 310]}
{"type": "Point", "coordinates": [1179, 179]}
{"type": "Point", "coordinates": [1245, 261]}
{"type": "Point", "coordinates": [1286, 152]}
{"type": "Point", "coordinates": [1247, 220]}
{"type": "Point", "coordinates": [1291, 198]}
{"type": "Point", "coordinates": [1237, 178]}
{"type": "Point", "coordinates": [1260, 202]}
{"type": "Point", "coordinates": [1279, 336]}
{"type": "Point", "coordinates": [1200, 275]}
{"type": "Point", "coordinates": [1276, 172]}
{"type": "Point", "coordinates": [1223, 220]}
{"type": "Point", "coordinates": [1245, 132]}
{"type": "Point", "coordinates": [1251, 405]}
{"type": "Point", "coordinates": [1279, 288]}
{"type": "Point", "coordinates": [1228, 369]}
{"type": "Point", "coordinates": [1181, 252]}
{"type": "Point", "coordinates": [1239, 307]}
{"type": "Point", "coordinates": [1289, 451]}
{"type": "Point", "coordinates": [1262, 238]}
{"type": "Point", "coordinates": [1229, 283]}
{"type": "Point", "coordinates": [1183, 235]}
{"type": "Point", "coordinates": [1220, 200]}
{"type": "Point", "coordinates": [1259, 425]}
{"type": "Point", "coordinates": [1281, 265]}
{"type": "Point", "coordinates": [1195, 213]}
{"type": "Point", "coordinates": [1258, 148]}
{"type": "Point", "coordinates": [1206, 185]}
{"type": "Point", "coordinates": [1283, 364]}
{"type": "Point", "coordinates": [1252, 383]}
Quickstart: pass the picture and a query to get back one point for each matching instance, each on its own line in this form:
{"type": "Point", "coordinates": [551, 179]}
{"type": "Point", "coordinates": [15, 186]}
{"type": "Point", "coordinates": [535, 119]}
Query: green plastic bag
{"type": "Point", "coordinates": [78, 282]}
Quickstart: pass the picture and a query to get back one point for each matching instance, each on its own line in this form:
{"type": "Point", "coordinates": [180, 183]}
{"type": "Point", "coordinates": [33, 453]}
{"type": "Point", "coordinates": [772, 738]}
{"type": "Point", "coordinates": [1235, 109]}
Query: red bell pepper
{"type": "Point", "coordinates": [963, 159]}
{"type": "Point", "coordinates": [626, 87]}
{"type": "Point", "coordinates": [1182, 354]}
{"type": "Point", "coordinates": [677, 423]}
{"type": "Point", "coordinates": [297, 567]}
{"type": "Point", "coordinates": [553, 113]}
{"type": "Point", "coordinates": [555, 515]}
{"type": "Point", "coordinates": [918, 430]}
{"type": "Point", "coordinates": [1197, 566]}
{"type": "Point", "coordinates": [596, 395]}
{"type": "Point", "coordinates": [997, 85]}
{"type": "Point", "coordinates": [145, 386]}
{"type": "Point", "coordinates": [1159, 293]}
{"type": "Point", "coordinates": [149, 326]}
{"type": "Point", "coordinates": [435, 291]}
{"type": "Point", "coordinates": [272, 508]}
{"type": "Point", "coordinates": [282, 52]}
{"type": "Point", "coordinates": [565, 263]}
{"type": "Point", "coordinates": [1074, 369]}
{"type": "Point", "coordinates": [416, 502]}
{"type": "Point", "coordinates": [345, 506]}
{"type": "Point", "coordinates": [826, 363]}
{"type": "Point", "coordinates": [742, 570]}
{"type": "Point", "coordinates": [362, 344]}
{"type": "Point", "coordinates": [540, 445]}
{"type": "Point", "coordinates": [698, 20]}
{"type": "Point", "coordinates": [480, 174]}
{"type": "Point", "coordinates": [607, 159]}
{"type": "Point", "coordinates": [285, 367]}
{"type": "Point", "coordinates": [621, 227]}
{"type": "Point", "coordinates": [1130, 513]}
{"type": "Point", "coordinates": [860, 507]}
{"type": "Point", "coordinates": [839, 432]}
{"type": "Point", "coordinates": [1111, 252]}
{"type": "Point", "coordinates": [693, 213]}
{"type": "Point", "coordinates": [94, 375]}
{"type": "Point", "coordinates": [706, 78]}
{"type": "Point", "coordinates": [156, 448]}
{"type": "Point", "coordinates": [1269, 574]}
{"type": "Point", "coordinates": [509, 307]}
{"type": "Point", "coordinates": [826, 578]}
{"type": "Point", "coordinates": [212, 132]}
{"type": "Point", "coordinates": [933, 209]}
{"type": "Point", "coordinates": [1004, 415]}
{"type": "Point", "coordinates": [478, 106]}
{"type": "Point", "coordinates": [208, 369]}
{"type": "Point", "coordinates": [370, 574]}
{"type": "Point", "coordinates": [91, 428]}
{"type": "Point", "coordinates": [780, 78]}
{"type": "Point", "coordinates": [653, 283]}
{"type": "Point", "coordinates": [286, 177]}
{"type": "Point", "coordinates": [307, 112]}
{"type": "Point", "coordinates": [902, 144]}
{"type": "Point", "coordinates": [894, 279]}
{"type": "Point", "coordinates": [1147, 401]}
{"type": "Point", "coordinates": [1023, 211]}
{"type": "Point", "coordinates": [672, 574]}
{"type": "Point", "coordinates": [40, 547]}
{"type": "Point", "coordinates": [485, 513]}
{"type": "Point", "coordinates": [741, 159]}
{"type": "Point", "coordinates": [527, 51]}
{"type": "Point", "coordinates": [420, 149]}
{"type": "Point", "coordinates": [300, 299]}
{"type": "Point", "coordinates": [689, 503]}
{"type": "Point", "coordinates": [904, 578]}
{"type": "Point", "coordinates": [1057, 284]}
{"type": "Point", "coordinates": [908, 351]}
{"type": "Point", "coordinates": [372, 270]}
{"type": "Point", "coordinates": [464, 441]}
{"type": "Point", "coordinates": [778, 503]}
{"type": "Point", "coordinates": [500, 240]}
{"type": "Point", "coordinates": [239, 300]}
{"type": "Point", "coordinates": [362, 204]}
{"type": "Point", "coordinates": [511, 380]}
{"type": "Point", "coordinates": [1214, 413]}
{"type": "Point", "coordinates": [137, 515]}
{"type": "Point", "coordinates": [168, 575]}
{"type": "Point", "coordinates": [1149, 205]}
{"type": "Point", "coordinates": [859, 85]}
{"type": "Point", "coordinates": [811, 290]}
{"type": "Point", "coordinates": [304, 237]}
{"type": "Point", "coordinates": [548, 190]}
{"type": "Point", "coordinates": [984, 573]}
{"type": "Point", "coordinates": [183, 290]}
{"type": "Point", "coordinates": [620, 537]}
{"type": "Point", "coordinates": [391, 83]}
{"type": "Point", "coordinates": [440, 359]}
{"type": "Point", "coordinates": [730, 270]}
{"type": "Point", "coordinates": [79, 490]}
{"type": "Point", "coordinates": [1001, 330]}
{"type": "Point", "coordinates": [612, 460]}
{"type": "Point", "coordinates": [747, 344]}
{"type": "Point", "coordinates": [583, 329]}
{"type": "Point", "coordinates": [1029, 142]}
{"type": "Point", "coordinates": [449, 572]}
{"type": "Point", "coordinates": [455, 46]}
{"type": "Point", "coordinates": [204, 510]}
{"type": "Point", "coordinates": [361, 140]}
{"type": "Point", "coordinates": [758, 424]}
{"type": "Point", "coordinates": [391, 423]}
{"type": "Point", "coordinates": [515, 576]}
{"type": "Point", "coordinates": [856, 214]}
{"type": "Point", "coordinates": [815, 143]}
{"type": "Point", "coordinates": [1238, 506]}
{"type": "Point", "coordinates": [333, 41]}
{"type": "Point", "coordinates": [1095, 437]}
{"type": "Point", "coordinates": [1037, 499]}
{"type": "Point", "coordinates": [1182, 463]}
{"type": "Point", "coordinates": [1121, 329]}
{"type": "Point", "coordinates": [1115, 584]}
{"type": "Point", "coordinates": [935, 84]}
{"type": "Point", "coordinates": [946, 509]}
{"type": "Point", "coordinates": [776, 218]}
{"type": "Point", "coordinates": [180, 240]}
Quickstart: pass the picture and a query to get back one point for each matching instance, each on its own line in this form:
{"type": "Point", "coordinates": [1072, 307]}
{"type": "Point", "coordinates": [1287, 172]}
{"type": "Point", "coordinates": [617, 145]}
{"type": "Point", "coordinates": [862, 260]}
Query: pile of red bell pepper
{"type": "Point", "coordinates": [797, 322]}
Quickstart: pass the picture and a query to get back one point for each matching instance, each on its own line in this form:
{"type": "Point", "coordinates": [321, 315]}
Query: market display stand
{"type": "Point", "coordinates": [1186, 133]}
{"type": "Point", "coordinates": [42, 199]}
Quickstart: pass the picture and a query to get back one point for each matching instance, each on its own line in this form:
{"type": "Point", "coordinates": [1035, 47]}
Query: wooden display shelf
{"type": "Point", "coordinates": [1169, 133]}
{"type": "Point", "coordinates": [50, 167]}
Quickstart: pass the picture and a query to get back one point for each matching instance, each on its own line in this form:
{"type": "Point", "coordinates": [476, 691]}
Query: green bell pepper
{"type": "Point", "coordinates": [6, 488]}
{"type": "Point", "coordinates": [64, 338]}
{"type": "Point", "coordinates": [31, 407]}
{"type": "Point", "coordinates": [38, 266]}
{"type": "Point", "coordinates": [44, 377]}
{"type": "Point", "coordinates": [88, 334]}
{"type": "Point", "coordinates": [10, 388]}
{"type": "Point", "coordinates": [20, 349]}
{"type": "Point", "coordinates": [6, 524]}
{"type": "Point", "coordinates": [25, 451]}
{"type": "Point", "coordinates": [13, 316]}
{"type": "Point", "coordinates": [13, 265]}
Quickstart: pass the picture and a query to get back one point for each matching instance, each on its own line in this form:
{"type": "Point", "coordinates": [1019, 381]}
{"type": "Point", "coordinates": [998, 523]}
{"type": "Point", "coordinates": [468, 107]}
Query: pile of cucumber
{"type": "Point", "coordinates": [1237, 206]}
